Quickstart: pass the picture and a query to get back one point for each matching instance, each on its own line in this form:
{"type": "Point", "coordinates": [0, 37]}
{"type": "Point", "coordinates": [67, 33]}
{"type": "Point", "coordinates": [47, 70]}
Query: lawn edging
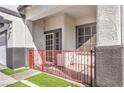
{"type": "Point", "coordinates": [26, 82]}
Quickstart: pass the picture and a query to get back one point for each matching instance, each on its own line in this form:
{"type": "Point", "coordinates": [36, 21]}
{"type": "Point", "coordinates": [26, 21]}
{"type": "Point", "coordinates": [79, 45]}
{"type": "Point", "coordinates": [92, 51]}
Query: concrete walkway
{"type": "Point", "coordinates": [6, 80]}
{"type": "Point", "coordinates": [25, 74]}
{"type": "Point", "coordinates": [10, 79]}
{"type": "Point", "coordinates": [29, 83]}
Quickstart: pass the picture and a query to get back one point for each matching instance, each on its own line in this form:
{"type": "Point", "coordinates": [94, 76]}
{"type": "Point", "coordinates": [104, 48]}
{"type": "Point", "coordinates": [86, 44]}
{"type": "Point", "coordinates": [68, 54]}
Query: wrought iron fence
{"type": "Point", "coordinates": [76, 65]}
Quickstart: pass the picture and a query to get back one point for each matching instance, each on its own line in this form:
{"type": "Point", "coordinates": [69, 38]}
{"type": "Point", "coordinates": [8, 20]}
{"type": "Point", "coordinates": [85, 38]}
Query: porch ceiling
{"type": "Point", "coordinates": [81, 11]}
{"type": "Point", "coordinates": [75, 11]}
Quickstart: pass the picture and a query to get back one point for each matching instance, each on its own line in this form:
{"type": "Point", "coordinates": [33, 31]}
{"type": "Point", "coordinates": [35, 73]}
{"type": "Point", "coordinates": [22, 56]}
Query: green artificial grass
{"type": "Point", "coordinates": [11, 71]}
{"type": "Point", "coordinates": [45, 80]}
{"type": "Point", "coordinates": [17, 84]}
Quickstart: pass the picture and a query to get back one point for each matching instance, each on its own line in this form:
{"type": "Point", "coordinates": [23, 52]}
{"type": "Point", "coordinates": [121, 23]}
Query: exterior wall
{"type": "Point", "coordinates": [109, 51]}
{"type": "Point", "coordinates": [54, 22]}
{"type": "Point", "coordinates": [69, 33]}
{"type": "Point", "coordinates": [38, 34]}
{"type": "Point", "coordinates": [18, 38]}
{"type": "Point", "coordinates": [29, 43]}
{"type": "Point", "coordinates": [108, 25]}
{"type": "Point", "coordinates": [82, 20]}
{"type": "Point", "coordinates": [122, 10]}
{"type": "Point", "coordinates": [18, 33]}
{"type": "Point", "coordinates": [16, 57]}
{"type": "Point", "coordinates": [109, 66]}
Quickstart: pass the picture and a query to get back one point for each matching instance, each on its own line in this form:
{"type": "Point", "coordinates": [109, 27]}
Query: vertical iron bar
{"type": "Point", "coordinates": [68, 64]}
{"type": "Point", "coordinates": [91, 67]}
{"type": "Point", "coordinates": [84, 66]}
{"type": "Point", "coordinates": [31, 58]}
{"type": "Point", "coordinates": [61, 61]}
{"type": "Point", "coordinates": [87, 68]}
{"type": "Point", "coordinates": [78, 65]}
{"type": "Point", "coordinates": [81, 68]}
{"type": "Point", "coordinates": [73, 64]}
{"type": "Point", "coordinates": [43, 61]}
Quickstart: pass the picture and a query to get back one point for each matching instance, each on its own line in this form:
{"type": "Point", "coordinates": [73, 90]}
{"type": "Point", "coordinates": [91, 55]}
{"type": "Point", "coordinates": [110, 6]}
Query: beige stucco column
{"type": "Point", "coordinates": [109, 49]}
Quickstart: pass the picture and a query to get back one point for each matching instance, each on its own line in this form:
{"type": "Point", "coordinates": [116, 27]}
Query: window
{"type": "Point", "coordinates": [57, 41]}
{"type": "Point", "coordinates": [86, 36]}
{"type": "Point", "coordinates": [53, 39]}
{"type": "Point", "coordinates": [49, 41]}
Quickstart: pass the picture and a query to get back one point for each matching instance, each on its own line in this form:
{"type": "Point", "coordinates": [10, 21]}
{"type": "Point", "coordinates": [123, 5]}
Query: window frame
{"type": "Point", "coordinates": [91, 25]}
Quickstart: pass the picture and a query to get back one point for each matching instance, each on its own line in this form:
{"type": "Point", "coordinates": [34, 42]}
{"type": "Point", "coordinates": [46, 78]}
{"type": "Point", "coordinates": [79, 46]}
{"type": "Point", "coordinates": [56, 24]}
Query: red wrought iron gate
{"type": "Point", "coordinates": [70, 64]}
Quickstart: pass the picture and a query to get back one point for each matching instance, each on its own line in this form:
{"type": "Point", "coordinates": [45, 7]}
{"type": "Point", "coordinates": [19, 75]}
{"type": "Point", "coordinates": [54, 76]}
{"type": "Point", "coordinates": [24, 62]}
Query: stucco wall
{"type": "Point", "coordinates": [109, 51]}
{"type": "Point", "coordinates": [54, 22]}
{"type": "Point", "coordinates": [18, 33]}
{"type": "Point", "coordinates": [82, 20]}
{"type": "Point", "coordinates": [122, 24]}
{"type": "Point", "coordinates": [108, 25]}
{"type": "Point", "coordinates": [28, 34]}
{"type": "Point", "coordinates": [38, 34]}
{"type": "Point", "coordinates": [68, 38]}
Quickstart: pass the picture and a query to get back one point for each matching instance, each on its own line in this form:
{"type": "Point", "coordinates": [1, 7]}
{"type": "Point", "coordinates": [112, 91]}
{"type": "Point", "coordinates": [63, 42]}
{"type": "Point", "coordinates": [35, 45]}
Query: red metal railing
{"type": "Point", "coordinates": [31, 58]}
{"type": "Point", "coordinates": [75, 65]}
